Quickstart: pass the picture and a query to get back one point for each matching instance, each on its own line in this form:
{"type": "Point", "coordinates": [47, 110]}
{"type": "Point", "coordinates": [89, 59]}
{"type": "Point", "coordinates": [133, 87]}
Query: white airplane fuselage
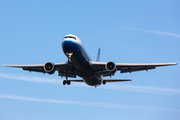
{"type": "Point", "coordinates": [78, 56]}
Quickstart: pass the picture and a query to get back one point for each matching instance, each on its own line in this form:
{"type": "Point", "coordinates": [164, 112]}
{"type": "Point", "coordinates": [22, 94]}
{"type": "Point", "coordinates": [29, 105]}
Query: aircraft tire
{"type": "Point", "coordinates": [104, 82]}
{"type": "Point", "coordinates": [64, 82]}
{"type": "Point", "coordinates": [68, 82]}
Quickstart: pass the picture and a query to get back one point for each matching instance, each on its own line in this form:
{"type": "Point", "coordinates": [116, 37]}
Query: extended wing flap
{"type": "Point", "coordinates": [133, 69]}
{"type": "Point", "coordinates": [36, 69]}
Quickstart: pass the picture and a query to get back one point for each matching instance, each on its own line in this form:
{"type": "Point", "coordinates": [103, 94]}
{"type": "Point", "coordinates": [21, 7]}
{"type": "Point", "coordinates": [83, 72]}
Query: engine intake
{"type": "Point", "coordinates": [111, 67]}
{"type": "Point", "coordinates": [49, 68]}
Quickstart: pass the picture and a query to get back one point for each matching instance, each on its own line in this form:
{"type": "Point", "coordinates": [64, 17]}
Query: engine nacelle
{"type": "Point", "coordinates": [49, 68]}
{"type": "Point", "coordinates": [111, 67]}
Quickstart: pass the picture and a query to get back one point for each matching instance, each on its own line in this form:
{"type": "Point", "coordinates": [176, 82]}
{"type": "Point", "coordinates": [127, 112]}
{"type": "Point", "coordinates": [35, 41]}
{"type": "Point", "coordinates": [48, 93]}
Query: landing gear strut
{"type": "Point", "coordinates": [68, 82]}
{"type": "Point", "coordinates": [102, 81]}
{"type": "Point", "coordinates": [69, 56]}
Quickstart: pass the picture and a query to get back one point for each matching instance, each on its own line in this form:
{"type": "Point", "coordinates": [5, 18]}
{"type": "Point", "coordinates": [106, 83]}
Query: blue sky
{"type": "Point", "coordinates": [126, 31]}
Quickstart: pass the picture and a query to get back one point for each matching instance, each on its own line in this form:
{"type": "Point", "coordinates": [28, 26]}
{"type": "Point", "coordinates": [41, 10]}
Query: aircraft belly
{"type": "Point", "coordinates": [91, 81]}
{"type": "Point", "coordinates": [80, 61]}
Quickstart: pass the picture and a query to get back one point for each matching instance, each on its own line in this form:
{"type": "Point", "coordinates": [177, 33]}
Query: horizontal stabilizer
{"type": "Point", "coordinates": [76, 80]}
{"type": "Point", "coordinates": [118, 80]}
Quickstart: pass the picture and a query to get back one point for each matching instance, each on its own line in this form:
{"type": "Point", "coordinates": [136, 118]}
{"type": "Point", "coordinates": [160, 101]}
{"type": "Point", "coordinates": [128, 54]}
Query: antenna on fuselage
{"type": "Point", "coordinates": [98, 56]}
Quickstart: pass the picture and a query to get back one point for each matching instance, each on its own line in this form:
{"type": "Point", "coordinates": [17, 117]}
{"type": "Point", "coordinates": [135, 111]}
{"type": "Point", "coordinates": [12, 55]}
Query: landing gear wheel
{"type": "Point", "coordinates": [68, 82]}
{"type": "Point", "coordinates": [64, 82]}
{"type": "Point", "coordinates": [104, 82]}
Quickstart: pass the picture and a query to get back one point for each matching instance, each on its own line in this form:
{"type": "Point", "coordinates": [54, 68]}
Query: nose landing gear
{"type": "Point", "coordinates": [69, 54]}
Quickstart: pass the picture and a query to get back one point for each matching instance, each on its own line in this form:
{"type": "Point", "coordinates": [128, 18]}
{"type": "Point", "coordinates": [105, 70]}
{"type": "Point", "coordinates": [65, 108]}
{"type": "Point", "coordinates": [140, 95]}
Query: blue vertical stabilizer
{"type": "Point", "coordinates": [98, 56]}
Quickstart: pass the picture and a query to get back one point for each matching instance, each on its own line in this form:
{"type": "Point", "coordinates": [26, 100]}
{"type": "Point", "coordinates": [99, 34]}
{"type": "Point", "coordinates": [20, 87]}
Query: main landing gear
{"type": "Point", "coordinates": [69, 55]}
{"type": "Point", "coordinates": [102, 81]}
{"type": "Point", "coordinates": [68, 82]}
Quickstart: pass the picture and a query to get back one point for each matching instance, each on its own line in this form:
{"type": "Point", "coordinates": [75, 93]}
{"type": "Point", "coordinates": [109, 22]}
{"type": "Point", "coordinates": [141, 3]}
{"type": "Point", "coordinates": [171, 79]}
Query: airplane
{"type": "Point", "coordinates": [80, 64]}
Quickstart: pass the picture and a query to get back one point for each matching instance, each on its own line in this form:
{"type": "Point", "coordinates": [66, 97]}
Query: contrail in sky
{"type": "Point", "coordinates": [31, 79]}
{"type": "Point", "coordinates": [123, 87]}
{"type": "Point", "coordinates": [143, 89]}
{"type": "Point", "coordinates": [95, 104]}
{"type": "Point", "coordinates": [156, 32]}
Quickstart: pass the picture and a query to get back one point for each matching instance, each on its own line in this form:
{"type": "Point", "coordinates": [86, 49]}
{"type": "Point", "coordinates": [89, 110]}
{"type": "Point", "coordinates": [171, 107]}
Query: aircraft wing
{"type": "Point", "coordinates": [63, 68]}
{"type": "Point", "coordinates": [128, 67]}
{"type": "Point", "coordinates": [36, 68]}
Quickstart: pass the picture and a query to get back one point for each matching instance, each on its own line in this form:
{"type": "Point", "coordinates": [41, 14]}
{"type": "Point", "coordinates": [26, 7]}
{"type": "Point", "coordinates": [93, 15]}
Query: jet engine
{"type": "Point", "coordinates": [111, 67]}
{"type": "Point", "coordinates": [49, 68]}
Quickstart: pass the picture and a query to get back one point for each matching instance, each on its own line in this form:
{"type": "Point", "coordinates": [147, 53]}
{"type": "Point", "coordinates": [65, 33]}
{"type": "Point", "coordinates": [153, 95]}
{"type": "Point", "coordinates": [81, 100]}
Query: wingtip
{"type": "Point", "coordinates": [174, 63]}
{"type": "Point", "coordinates": [7, 65]}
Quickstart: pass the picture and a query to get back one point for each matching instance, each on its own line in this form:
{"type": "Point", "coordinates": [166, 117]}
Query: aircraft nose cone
{"type": "Point", "coordinates": [67, 45]}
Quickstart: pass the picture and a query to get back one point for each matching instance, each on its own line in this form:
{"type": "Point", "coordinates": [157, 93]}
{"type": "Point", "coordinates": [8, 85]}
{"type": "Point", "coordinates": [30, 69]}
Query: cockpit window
{"type": "Point", "coordinates": [70, 37]}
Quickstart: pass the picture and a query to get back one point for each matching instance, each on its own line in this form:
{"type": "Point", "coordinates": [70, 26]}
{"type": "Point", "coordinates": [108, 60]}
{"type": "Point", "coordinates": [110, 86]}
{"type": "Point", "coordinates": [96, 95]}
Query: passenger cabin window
{"type": "Point", "coordinates": [70, 37]}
